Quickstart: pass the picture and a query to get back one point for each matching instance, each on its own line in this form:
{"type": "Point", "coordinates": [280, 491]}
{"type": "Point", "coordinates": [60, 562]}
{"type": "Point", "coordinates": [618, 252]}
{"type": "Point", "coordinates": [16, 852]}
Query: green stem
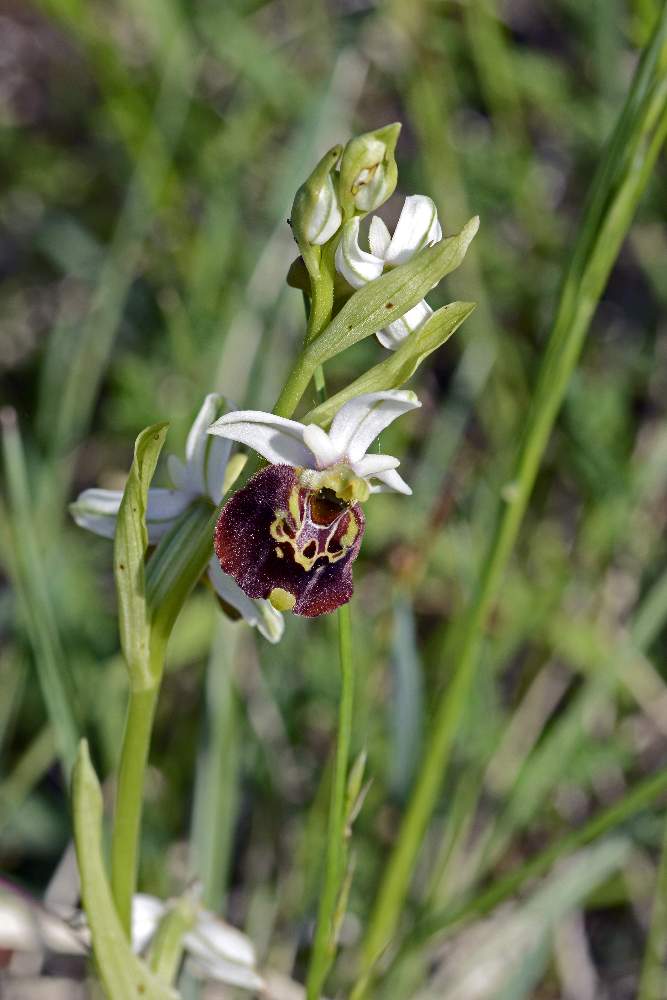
{"type": "Point", "coordinates": [295, 386]}
{"type": "Point", "coordinates": [620, 181]}
{"type": "Point", "coordinates": [129, 794]}
{"type": "Point", "coordinates": [324, 946]}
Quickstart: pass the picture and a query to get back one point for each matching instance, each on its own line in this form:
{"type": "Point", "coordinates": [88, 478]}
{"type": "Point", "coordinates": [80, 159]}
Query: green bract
{"type": "Point", "coordinates": [125, 977]}
{"type": "Point", "coordinates": [390, 296]}
{"type": "Point", "coordinates": [401, 364]}
{"type": "Point", "coordinates": [316, 214]}
{"type": "Point", "coordinates": [131, 544]}
{"type": "Point", "coordinates": [368, 171]}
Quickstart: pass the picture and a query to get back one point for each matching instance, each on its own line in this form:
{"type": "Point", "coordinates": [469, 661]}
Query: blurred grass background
{"type": "Point", "coordinates": [150, 153]}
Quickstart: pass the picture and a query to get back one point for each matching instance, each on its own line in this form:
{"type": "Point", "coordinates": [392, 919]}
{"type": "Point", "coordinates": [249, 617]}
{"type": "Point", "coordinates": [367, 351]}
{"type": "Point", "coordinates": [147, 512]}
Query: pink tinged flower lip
{"type": "Point", "coordinates": [275, 535]}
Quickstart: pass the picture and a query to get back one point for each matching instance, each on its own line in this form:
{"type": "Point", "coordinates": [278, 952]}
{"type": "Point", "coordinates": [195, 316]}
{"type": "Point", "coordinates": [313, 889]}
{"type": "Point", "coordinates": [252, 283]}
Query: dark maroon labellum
{"type": "Point", "coordinates": [294, 546]}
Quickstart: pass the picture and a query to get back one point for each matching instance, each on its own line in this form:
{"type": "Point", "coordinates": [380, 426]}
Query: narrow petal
{"type": "Point", "coordinates": [370, 465]}
{"type": "Point", "coordinates": [391, 482]}
{"type": "Point", "coordinates": [359, 421]}
{"type": "Point", "coordinates": [275, 438]}
{"type": "Point", "coordinates": [417, 226]}
{"type": "Point", "coordinates": [259, 614]}
{"type": "Point", "coordinates": [97, 510]}
{"type": "Point", "coordinates": [356, 266]}
{"type": "Point", "coordinates": [321, 446]}
{"type": "Point", "coordinates": [206, 458]}
{"type": "Point", "coordinates": [378, 237]}
{"type": "Point", "coordinates": [395, 333]}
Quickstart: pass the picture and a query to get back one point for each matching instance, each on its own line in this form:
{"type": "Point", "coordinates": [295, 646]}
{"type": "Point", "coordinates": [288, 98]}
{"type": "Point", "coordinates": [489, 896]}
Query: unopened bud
{"type": "Point", "coordinates": [368, 171]}
{"type": "Point", "coordinates": [316, 213]}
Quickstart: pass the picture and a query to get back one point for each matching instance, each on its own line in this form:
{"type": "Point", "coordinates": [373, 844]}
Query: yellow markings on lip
{"type": "Point", "coordinates": [291, 536]}
{"type": "Point", "coordinates": [281, 599]}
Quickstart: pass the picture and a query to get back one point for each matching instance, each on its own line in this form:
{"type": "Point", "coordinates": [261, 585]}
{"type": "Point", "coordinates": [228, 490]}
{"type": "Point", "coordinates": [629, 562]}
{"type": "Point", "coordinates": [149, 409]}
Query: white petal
{"type": "Point", "coordinates": [279, 440]}
{"type": "Point", "coordinates": [221, 971]}
{"type": "Point", "coordinates": [146, 914]}
{"type": "Point", "coordinates": [260, 614]}
{"type": "Point", "coordinates": [223, 953]}
{"type": "Point", "coordinates": [207, 458]}
{"type": "Point", "coordinates": [356, 266]}
{"type": "Point", "coordinates": [212, 937]}
{"type": "Point", "coordinates": [359, 421]}
{"type": "Point", "coordinates": [97, 511]}
{"type": "Point", "coordinates": [417, 226]}
{"type": "Point", "coordinates": [370, 465]}
{"type": "Point", "coordinates": [321, 446]}
{"type": "Point", "coordinates": [395, 333]}
{"type": "Point", "coordinates": [178, 473]}
{"type": "Point", "coordinates": [162, 509]}
{"type": "Point", "coordinates": [378, 237]}
{"type": "Point", "coordinates": [391, 482]}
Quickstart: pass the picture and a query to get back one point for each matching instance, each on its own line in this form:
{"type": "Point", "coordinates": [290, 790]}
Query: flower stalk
{"type": "Point", "coordinates": [324, 946]}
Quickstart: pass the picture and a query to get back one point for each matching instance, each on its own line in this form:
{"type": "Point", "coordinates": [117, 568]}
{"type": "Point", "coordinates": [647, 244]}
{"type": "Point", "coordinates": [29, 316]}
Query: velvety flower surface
{"type": "Point", "coordinates": [292, 533]}
{"type": "Point", "coordinates": [417, 227]}
{"type": "Point", "coordinates": [292, 545]}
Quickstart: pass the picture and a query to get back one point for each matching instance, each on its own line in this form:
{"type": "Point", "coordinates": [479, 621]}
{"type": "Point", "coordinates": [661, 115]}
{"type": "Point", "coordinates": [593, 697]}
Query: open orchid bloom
{"type": "Point", "coordinates": [206, 472]}
{"type": "Point", "coordinates": [417, 227]}
{"type": "Point", "coordinates": [292, 533]}
{"type": "Point", "coordinates": [214, 950]}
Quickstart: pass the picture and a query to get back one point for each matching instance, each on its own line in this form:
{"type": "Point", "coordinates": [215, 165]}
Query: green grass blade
{"type": "Point", "coordinates": [641, 796]}
{"type": "Point", "coordinates": [620, 182]}
{"type": "Point", "coordinates": [34, 598]}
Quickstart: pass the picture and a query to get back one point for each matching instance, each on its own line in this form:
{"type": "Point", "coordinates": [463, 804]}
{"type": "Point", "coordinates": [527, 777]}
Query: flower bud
{"type": "Point", "coordinates": [368, 171]}
{"type": "Point", "coordinates": [316, 213]}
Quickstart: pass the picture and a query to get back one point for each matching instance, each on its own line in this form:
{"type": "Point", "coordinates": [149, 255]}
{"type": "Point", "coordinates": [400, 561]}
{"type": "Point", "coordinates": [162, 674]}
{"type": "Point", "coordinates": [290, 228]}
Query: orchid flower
{"type": "Point", "coordinates": [417, 227]}
{"type": "Point", "coordinates": [206, 472]}
{"type": "Point", "coordinates": [214, 950]}
{"type": "Point", "coordinates": [292, 533]}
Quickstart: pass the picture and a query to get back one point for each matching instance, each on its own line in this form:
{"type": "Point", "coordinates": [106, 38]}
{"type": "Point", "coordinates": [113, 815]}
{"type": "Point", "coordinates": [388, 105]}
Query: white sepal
{"type": "Point", "coordinates": [417, 227]}
{"type": "Point", "coordinates": [393, 335]}
{"type": "Point", "coordinates": [356, 265]}
{"type": "Point", "coordinates": [258, 613]}
{"type": "Point", "coordinates": [97, 510]}
{"type": "Point", "coordinates": [360, 420]}
{"type": "Point", "coordinates": [379, 237]}
{"type": "Point", "coordinates": [206, 459]}
{"type": "Point", "coordinates": [277, 439]}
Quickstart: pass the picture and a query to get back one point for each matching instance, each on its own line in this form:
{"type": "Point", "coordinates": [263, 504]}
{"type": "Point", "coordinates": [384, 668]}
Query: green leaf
{"type": "Point", "coordinates": [130, 549]}
{"type": "Point", "coordinates": [176, 566]}
{"type": "Point", "coordinates": [123, 975]}
{"type": "Point", "coordinates": [389, 297]}
{"type": "Point", "coordinates": [400, 365]}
